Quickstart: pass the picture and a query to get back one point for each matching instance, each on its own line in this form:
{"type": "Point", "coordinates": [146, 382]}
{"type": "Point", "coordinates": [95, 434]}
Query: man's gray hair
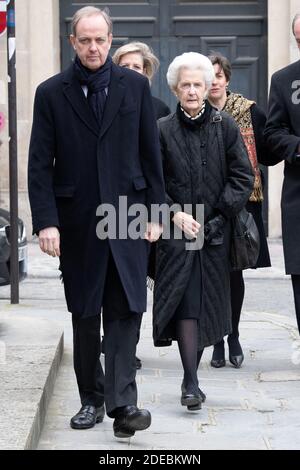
{"type": "Point", "coordinates": [191, 61]}
{"type": "Point", "coordinates": [91, 11]}
{"type": "Point", "coordinates": [296, 18]}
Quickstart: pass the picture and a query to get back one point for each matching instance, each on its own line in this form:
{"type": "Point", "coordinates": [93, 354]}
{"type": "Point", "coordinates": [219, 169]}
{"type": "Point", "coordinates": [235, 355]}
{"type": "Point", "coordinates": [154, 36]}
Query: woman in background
{"type": "Point", "coordinates": [251, 122]}
{"type": "Point", "coordinates": [139, 57]}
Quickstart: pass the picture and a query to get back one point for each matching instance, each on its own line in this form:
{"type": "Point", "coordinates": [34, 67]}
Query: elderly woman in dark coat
{"type": "Point", "coordinates": [192, 287]}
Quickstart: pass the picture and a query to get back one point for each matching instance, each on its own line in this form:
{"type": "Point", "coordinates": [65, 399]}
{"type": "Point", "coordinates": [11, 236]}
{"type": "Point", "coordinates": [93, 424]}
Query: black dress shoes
{"type": "Point", "coordinates": [236, 356]}
{"type": "Point", "coordinates": [130, 419]}
{"type": "Point", "coordinates": [87, 417]}
{"type": "Point", "coordinates": [193, 402]}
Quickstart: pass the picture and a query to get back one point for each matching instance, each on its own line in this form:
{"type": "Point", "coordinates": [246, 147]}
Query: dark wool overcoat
{"type": "Point", "coordinates": [75, 164]}
{"type": "Point", "coordinates": [282, 133]}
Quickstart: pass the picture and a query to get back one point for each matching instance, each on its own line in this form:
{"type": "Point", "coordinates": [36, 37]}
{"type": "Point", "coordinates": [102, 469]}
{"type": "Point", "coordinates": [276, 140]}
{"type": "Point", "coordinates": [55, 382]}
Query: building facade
{"type": "Point", "coordinates": [256, 36]}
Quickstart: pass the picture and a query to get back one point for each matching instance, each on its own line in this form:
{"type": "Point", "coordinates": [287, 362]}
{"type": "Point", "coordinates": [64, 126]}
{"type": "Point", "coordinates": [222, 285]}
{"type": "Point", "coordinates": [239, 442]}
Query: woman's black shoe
{"type": "Point", "coordinates": [236, 361]}
{"type": "Point", "coordinates": [218, 357]}
{"type": "Point", "coordinates": [87, 417]}
{"type": "Point", "coordinates": [236, 355]}
{"type": "Point", "coordinates": [191, 400]}
{"type": "Point", "coordinates": [202, 394]}
{"type": "Point", "coordinates": [217, 363]}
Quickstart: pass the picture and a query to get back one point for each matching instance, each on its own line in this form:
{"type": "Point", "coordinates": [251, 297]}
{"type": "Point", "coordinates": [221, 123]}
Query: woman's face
{"type": "Point", "coordinates": [191, 90]}
{"type": "Point", "coordinates": [218, 88]}
{"type": "Point", "coordinates": [133, 61]}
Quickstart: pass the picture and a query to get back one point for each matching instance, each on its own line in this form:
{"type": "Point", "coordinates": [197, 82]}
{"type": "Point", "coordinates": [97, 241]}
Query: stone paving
{"type": "Point", "coordinates": [255, 407]}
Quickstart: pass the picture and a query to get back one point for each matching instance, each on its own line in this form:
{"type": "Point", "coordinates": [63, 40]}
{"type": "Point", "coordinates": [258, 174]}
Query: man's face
{"type": "Point", "coordinates": [92, 41]}
{"type": "Point", "coordinates": [297, 32]}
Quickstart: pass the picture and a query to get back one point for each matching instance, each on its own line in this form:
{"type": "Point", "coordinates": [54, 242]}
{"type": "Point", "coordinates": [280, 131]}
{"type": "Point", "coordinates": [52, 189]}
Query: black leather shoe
{"type": "Point", "coordinates": [236, 361]}
{"type": "Point", "coordinates": [87, 417]}
{"type": "Point", "coordinates": [236, 355]}
{"type": "Point", "coordinates": [202, 394]}
{"type": "Point", "coordinates": [218, 356]}
{"type": "Point", "coordinates": [191, 400]}
{"type": "Point", "coordinates": [130, 419]}
{"type": "Point", "coordinates": [138, 363]}
{"type": "Point", "coordinates": [217, 363]}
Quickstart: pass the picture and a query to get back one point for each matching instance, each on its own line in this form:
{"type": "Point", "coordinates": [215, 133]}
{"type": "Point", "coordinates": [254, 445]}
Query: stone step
{"type": "Point", "coordinates": [30, 354]}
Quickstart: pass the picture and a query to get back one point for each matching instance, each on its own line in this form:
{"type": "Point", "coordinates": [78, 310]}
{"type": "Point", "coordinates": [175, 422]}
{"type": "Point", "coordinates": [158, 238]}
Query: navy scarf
{"type": "Point", "coordinates": [96, 82]}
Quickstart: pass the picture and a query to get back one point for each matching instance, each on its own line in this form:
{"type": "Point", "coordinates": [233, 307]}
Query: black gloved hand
{"type": "Point", "coordinates": [213, 227]}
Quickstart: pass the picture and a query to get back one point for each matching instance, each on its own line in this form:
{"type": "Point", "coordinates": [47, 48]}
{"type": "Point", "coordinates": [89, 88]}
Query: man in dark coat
{"type": "Point", "coordinates": [94, 139]}
{"type": "Point", "coordinates": [282, 133]}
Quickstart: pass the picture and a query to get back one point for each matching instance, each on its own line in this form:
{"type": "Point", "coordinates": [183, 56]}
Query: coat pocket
{"type": "Point", "coordinates": [64, 190]}
{"type": "Point", "coordinates": [127, 109]}
{"type": "Point", "coordinates": [139, 183]}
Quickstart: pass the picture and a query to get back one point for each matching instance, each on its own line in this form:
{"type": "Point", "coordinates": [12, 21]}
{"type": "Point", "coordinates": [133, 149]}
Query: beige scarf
{"type": "Point", "coordinates": [239, 108]}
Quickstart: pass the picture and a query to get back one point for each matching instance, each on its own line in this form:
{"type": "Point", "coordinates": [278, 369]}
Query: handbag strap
{"type": "Point", "coordinates": [217, 120]}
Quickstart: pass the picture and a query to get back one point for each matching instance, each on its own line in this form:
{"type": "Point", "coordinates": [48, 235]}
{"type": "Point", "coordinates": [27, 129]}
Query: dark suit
{"type": "Point", "coordinates": [282, 133]}
{"type": "Point", "coordinates": [74, 165]}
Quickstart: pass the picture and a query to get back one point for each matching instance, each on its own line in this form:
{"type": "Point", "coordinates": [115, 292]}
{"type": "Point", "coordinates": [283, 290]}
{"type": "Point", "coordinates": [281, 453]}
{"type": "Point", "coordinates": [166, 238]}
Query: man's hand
{"type": "Point", "coordinates": [187, 224]}
{"type": "Point", "coordinates": [153, 232]}
{"type": "Point", "coordinates": [49, 240]}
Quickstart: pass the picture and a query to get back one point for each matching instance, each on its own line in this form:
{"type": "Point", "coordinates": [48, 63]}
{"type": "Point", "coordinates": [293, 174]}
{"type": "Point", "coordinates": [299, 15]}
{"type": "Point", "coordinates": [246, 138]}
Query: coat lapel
{"type": "Point", "coordinates": [116, 93]}
{"type": "Point", "coordinates": [78, 101]}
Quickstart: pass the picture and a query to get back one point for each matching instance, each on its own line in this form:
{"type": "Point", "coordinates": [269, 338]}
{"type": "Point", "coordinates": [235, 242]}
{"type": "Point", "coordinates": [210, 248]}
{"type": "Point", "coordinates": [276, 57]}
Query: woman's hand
{"type": "Point", "coordinates": [187, 224]}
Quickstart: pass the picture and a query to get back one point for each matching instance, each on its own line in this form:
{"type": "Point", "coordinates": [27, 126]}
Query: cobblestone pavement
{"type": "Point", "coordinates": [255, 407]}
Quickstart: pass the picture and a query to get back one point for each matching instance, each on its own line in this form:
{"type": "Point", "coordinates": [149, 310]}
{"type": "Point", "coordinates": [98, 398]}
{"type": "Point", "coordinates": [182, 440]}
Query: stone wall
{"type": "Point", "coordinates": [38, 57]}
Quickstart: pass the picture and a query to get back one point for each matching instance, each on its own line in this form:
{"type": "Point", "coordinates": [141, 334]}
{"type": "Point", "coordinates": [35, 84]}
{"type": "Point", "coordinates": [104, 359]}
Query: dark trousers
{"type": "Point", "coordinates": [117, 387]}
{"type": "Point", "coordinates": [296, 289]}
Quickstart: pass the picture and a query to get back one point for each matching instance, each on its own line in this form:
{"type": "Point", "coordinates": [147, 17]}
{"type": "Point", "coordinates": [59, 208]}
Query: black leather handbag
{"type": "Point", "coordinates": [245, 240]}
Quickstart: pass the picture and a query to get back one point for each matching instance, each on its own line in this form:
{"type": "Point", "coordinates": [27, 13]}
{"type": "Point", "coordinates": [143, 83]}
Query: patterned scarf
{"type": "Point", "coordinates": [239, 108]}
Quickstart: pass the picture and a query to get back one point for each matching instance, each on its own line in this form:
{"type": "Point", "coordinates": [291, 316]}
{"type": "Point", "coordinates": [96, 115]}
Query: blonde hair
{"type": "Point", "coordinates": [91, 11]}
{"type": "Point", "coordinates": [150, 61]}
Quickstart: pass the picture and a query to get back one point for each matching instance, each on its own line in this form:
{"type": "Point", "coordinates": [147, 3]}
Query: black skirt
{"type": "Point", "coordinates": [264, 256]}
{"type": "Point", "coordinates": [190, 304]}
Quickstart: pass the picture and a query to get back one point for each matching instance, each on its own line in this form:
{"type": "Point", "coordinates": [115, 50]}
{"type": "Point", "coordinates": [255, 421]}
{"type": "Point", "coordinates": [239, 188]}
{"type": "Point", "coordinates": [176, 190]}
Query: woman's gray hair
{"type": "Point", "coordinates": [91, 11]}
{"type": "Point", "coordinates": [150, 61]}
{"type": "Point", "coordinates": [191, 61]}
